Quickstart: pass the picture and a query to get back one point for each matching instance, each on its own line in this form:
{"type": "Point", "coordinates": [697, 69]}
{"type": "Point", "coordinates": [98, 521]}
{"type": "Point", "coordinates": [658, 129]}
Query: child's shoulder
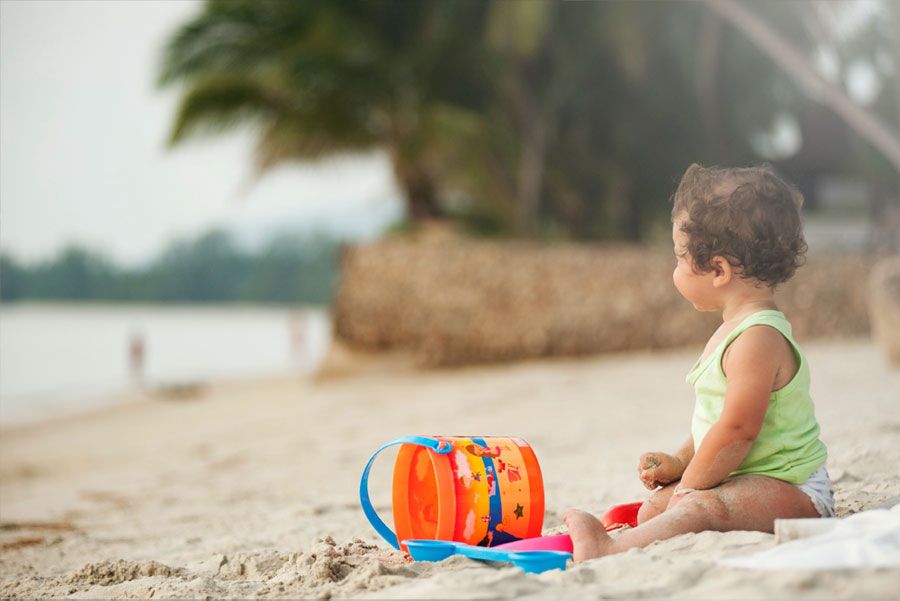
{"type": "Point", "coordinates": [762, 350]}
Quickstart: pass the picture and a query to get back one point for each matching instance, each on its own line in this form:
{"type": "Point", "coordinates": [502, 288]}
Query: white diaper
{"type": "Point", "coordinates": [818, 488]}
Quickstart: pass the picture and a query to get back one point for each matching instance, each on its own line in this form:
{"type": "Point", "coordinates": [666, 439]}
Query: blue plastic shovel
{"type": "Point", "coordinates": [532, 562]}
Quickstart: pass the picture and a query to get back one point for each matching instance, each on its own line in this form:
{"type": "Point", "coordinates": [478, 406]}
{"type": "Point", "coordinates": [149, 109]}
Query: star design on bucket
{"type": "Point", "coordinates": [519, 511]}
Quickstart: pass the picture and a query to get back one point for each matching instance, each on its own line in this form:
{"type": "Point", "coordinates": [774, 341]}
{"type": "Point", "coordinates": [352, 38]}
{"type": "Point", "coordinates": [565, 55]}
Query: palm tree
{"type": "Point", "coordinates": [318, 78]}
{"type": "Point", "coordinates": [535, 115]}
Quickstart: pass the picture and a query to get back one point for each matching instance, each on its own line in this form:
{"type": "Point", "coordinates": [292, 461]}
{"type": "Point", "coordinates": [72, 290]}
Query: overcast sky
{"type": "Point", "coordinates": [82, 153]}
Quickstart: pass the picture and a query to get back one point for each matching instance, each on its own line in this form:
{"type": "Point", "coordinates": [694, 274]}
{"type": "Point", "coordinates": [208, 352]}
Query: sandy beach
{"type": "Point", "coordinates": [251, 488]}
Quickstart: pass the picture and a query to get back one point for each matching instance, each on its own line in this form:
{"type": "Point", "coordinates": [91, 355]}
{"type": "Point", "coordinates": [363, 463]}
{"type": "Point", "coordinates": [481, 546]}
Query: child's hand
{"type": "Point", "coordinates": [656, 469]}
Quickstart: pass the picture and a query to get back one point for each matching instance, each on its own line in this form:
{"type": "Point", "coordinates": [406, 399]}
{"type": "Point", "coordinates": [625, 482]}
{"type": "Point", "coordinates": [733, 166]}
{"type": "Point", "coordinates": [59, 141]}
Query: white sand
{"type": "Point", "coordinates": [251, 490]}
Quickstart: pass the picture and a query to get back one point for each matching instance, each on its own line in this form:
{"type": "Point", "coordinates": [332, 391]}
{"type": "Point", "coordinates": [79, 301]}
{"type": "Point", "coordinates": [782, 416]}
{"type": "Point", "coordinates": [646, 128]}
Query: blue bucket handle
{"type": "Point", "coordinates": [440, 447]}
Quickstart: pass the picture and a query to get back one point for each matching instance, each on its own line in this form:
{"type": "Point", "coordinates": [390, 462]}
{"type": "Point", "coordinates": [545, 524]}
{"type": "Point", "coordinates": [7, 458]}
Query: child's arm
{"type": "Point", "coordinates": [752, 369]}
{"type": "Point", "coordinates": [686, 452]}
{"type": "Point", "coordinates": [656, 468]}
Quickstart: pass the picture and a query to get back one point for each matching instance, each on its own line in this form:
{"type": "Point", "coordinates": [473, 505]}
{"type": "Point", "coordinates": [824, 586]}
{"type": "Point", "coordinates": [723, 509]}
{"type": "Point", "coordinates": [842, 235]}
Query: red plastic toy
{"type": "Point", "coordinates": [617, 517]}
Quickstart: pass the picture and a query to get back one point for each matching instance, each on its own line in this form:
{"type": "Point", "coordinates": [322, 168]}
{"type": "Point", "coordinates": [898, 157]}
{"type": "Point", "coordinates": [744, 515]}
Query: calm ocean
{"type": "Point", "coordinates": [57, 358]}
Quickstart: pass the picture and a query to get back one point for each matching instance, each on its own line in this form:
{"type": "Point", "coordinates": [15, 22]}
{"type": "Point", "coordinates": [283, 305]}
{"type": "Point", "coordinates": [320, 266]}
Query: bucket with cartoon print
{"type": "Point", "coordinates": [479, 490]}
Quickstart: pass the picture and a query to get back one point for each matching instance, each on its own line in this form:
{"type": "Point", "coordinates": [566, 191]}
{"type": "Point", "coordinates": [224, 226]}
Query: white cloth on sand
{"type": "Point", "coordinates": [864, 540]}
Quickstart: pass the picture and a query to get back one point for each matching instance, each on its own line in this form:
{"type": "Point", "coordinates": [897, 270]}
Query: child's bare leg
{"type": "Point", "coordinates": [656, 503]}
{"type": "Point", "coordinates": [742, 503]}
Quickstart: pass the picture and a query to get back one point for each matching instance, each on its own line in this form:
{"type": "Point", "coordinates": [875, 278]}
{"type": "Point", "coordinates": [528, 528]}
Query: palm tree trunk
{"type": "Point", "coordinates": [420, 192]}
{"type": "Point", "coordinates": [416, 180]}
{"type": "Point", "coordinates": [895, 42]}
{"type": "Point", "coordinates": [865, 123]}
{"type": "Point", "coordinates": [531, 166]}
{"type": "Point", "coordinates": [709, 44]}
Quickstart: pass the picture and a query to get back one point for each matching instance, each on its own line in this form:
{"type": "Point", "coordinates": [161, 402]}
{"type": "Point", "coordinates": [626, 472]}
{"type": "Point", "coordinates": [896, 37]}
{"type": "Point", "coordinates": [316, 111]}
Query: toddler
{"type": "Point", "coordinates": [754, 453]}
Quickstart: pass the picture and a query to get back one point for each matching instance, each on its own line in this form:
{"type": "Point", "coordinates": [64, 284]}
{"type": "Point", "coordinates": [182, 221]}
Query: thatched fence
{"type": "Point", "coordinates": [457, 301]}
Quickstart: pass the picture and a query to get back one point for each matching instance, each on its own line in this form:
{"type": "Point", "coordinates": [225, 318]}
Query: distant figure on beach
{"type": "Point", "coordinates": [136, 352]}
{"type": "Point", "coordinates": [299, 346]}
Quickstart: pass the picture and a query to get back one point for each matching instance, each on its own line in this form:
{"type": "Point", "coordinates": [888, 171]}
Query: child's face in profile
{"type": "Point", "coordinates": [695, 287]}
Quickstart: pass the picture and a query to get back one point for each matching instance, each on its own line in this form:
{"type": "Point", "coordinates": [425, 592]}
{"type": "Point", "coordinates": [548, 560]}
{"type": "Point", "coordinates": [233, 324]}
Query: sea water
{"type": "Point", "coordinates": [57, 358]}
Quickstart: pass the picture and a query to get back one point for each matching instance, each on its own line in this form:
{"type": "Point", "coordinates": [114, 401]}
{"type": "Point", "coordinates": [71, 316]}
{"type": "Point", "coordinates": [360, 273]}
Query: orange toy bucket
{"type": "Point", "coordinates": [479, 490]}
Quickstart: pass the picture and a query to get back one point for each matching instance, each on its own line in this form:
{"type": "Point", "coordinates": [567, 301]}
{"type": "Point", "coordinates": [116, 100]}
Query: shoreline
{"type": "Point", "coordinates": [195, 391]}
{"type": "Point", "coordinates": [351, 364]}
{"type": "Point", "coordinates": [59, 359]}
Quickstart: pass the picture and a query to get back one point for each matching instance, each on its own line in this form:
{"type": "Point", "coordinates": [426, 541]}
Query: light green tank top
{"type": "Point", "coordinates": [788, 445]}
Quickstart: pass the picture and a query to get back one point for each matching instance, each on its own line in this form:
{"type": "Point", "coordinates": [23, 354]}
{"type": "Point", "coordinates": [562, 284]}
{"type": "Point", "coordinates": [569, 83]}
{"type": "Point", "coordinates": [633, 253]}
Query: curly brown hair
{"type": "Point", "coordinates": [749, 216]}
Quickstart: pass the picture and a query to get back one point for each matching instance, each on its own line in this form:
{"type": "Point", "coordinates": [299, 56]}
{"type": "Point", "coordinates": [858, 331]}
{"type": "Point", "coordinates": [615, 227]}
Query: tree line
{"type": "Point", "coordinates": [289, 269]}
{"type": "Point", "coordinates": [529, 117]}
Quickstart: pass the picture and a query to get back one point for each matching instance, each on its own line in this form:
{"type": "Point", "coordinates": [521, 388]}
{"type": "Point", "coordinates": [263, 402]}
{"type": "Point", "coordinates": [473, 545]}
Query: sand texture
{"type": "Point", "coordinates": [251, 489]}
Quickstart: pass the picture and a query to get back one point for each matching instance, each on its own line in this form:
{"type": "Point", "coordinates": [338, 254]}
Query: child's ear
{"type": "Point", "coordinates": [722, 271]}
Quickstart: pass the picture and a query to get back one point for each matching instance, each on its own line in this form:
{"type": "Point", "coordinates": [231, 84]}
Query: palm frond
{"type": "Point", "coordinates": [216, 104]}
{"type": "Point", "coordinates": [293, 139]}
{"type": "Point", "coordinates": [234, 36]}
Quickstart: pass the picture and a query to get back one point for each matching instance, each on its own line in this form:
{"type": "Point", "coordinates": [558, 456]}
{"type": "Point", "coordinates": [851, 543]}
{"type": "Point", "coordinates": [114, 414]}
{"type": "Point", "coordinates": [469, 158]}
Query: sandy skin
{"type": "Point", "coordinates": [741, 503]}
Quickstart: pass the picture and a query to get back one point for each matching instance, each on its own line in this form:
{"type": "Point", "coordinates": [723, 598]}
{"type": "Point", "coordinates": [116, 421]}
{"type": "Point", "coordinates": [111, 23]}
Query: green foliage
{"type": "Point", "coordinates": [75, 274]}
{"type": "Point", "coordinates": [513, 117]}
{"type": "Point", "coordinates": [12, 279]}
{"type": "Point", "coordinates": [289, 269]}
{"type": "Point", "coordinates": [320, 77]}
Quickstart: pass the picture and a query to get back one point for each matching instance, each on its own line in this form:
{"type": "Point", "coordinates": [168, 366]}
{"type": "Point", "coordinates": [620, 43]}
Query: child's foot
{"type": "Point", "coordinates": [589, 537]}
